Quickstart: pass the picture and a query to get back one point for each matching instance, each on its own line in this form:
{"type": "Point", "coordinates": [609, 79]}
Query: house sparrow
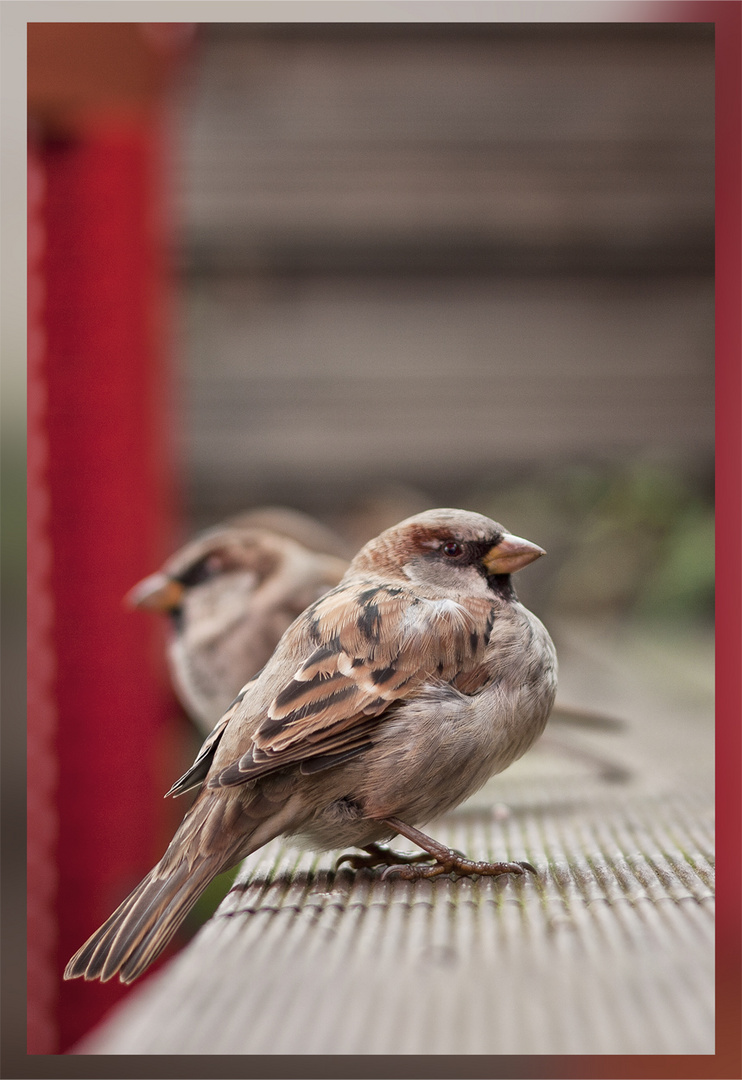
{"type": "Point", "coordinates": [230, 593]}
{"type": "Point", "coordinates": [306, 530]}
{"type": "Point", "coordinates": [386, 703]}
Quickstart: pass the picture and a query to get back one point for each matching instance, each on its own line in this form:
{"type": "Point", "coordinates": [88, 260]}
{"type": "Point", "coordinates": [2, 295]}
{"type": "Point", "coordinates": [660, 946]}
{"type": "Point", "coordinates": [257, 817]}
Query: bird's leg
{"type": "Point", "coordinates": [379, 855]}
{"type": "Point", "coordinates": [446, 860]}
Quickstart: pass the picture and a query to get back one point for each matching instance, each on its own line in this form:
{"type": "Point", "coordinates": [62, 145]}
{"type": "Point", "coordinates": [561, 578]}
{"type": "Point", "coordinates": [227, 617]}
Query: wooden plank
{"type": "Point", "coordinates": [299, 386]}
{"type": "Point", "coordinates": [295, 141]}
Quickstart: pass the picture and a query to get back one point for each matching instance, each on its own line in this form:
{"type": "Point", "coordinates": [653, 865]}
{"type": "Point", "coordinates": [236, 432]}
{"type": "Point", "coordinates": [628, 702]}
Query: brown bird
{"type": "Point", "coordinates": [230, 593]}
{"type": "Point", "coordinates": [385, 704]}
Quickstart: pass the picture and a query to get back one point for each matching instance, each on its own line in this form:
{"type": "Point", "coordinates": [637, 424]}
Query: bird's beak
{"type": "Point", "coordinates": [158, 592]}
{"type": "Point", "coordinates": [511, 554]}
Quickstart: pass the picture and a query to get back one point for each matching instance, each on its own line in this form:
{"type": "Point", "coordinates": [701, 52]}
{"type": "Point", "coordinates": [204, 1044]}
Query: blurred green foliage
{"type": "Point", "coordinates": [13, 545]}
{"type": "Point", "coordinates": [635, 539]}
{"type": "Point", "coordinates": [208, 902]}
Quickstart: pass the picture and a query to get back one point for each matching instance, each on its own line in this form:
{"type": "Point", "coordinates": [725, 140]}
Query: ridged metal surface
{"type": "Point", "coordinates": [609, 950]}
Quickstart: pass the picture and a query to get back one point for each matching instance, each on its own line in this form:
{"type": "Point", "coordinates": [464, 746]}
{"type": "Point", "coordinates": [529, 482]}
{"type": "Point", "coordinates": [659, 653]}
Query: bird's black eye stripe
{"type": "Point", "coordinates": [202, 570]}
{"type": "Point", "coordinates": [468, 551]}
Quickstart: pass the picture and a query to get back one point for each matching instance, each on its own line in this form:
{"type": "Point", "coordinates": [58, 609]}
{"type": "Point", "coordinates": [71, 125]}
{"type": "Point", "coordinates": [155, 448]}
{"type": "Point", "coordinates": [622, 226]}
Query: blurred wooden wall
{"type": "Point", "coordinates": [438, 255]}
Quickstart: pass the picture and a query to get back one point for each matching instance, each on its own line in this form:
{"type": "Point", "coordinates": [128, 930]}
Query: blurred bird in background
{"type": "Point", "coordinates": [230, 593]}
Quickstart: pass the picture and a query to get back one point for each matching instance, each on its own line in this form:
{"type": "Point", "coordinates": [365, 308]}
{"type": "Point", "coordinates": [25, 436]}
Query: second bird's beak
{"type": "Point", "coordinates": [158, 592]}
{"type": "Point", "coordinates": [511, 554]}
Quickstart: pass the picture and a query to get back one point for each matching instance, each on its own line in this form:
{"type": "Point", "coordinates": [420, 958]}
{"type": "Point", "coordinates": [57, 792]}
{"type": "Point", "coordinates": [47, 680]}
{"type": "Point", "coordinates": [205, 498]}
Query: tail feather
{"type": "Point", "coordinates": [144, 923]}
{"type": "Point", "coordinates": [141, 927]}
{"type": "Point", "coordinates": [220, 829]}
{"type": "Point", "coordinates": [152, 943]}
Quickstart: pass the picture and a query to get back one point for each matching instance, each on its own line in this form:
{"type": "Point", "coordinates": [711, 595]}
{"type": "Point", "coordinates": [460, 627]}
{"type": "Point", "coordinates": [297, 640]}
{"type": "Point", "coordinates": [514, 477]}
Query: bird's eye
{"type": "Point", "coordinates": [452, 549]}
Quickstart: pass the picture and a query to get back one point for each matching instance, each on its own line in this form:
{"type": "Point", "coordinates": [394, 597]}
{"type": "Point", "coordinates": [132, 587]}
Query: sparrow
{"type": "Point", "coordinates": [229, 595]}
{"type": "Point", "coordinates": [298, 526]}
{"type": "Point", "coordinates": [386, 703]}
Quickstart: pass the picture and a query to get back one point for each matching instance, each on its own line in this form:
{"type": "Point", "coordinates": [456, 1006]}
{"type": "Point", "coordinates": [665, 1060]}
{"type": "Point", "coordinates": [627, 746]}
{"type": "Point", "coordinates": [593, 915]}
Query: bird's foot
{"type": "Point", "coordinates": [378, 855]}
{"type": "Point", "coordinates": [446, 861]}
{"type": "Point", "coordinates": [454, 863]}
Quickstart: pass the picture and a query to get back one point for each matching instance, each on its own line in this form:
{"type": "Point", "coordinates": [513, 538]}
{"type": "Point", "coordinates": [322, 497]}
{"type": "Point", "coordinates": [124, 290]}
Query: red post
{"type": "Point", "coordinates": [101, 514]}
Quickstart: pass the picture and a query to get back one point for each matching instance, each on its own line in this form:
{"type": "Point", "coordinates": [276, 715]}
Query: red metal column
{"type": "Point", "coordinates": [101, 512]}
{"type": "Point", "coordinates": [42, 815]}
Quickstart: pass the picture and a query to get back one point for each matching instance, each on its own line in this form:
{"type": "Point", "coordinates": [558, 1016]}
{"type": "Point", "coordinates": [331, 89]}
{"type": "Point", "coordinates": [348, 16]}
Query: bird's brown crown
{"type": "Point", "coordinates": [459, 535]}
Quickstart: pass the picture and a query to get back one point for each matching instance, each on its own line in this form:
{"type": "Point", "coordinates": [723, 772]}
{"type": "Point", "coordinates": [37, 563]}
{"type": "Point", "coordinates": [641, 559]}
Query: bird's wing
{"type": "Point", "coordinates": [195, 776]}
{"type": "Point", "coordinates": [371, 645]}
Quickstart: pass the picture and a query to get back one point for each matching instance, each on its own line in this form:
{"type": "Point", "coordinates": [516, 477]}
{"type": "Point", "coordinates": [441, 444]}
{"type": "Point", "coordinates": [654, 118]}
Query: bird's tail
{"type": "Point", "coordinates": [144, 923]}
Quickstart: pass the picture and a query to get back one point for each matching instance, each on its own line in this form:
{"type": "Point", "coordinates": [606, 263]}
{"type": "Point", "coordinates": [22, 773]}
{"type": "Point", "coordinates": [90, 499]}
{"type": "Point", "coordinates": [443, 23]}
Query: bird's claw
{"type": "Point", "coordinates": [459, 865]}
{"type": "Point", "coordinates": [377, 855]}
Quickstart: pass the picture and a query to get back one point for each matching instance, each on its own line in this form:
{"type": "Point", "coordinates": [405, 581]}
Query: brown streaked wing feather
{"type": "Point", "coordinates": [374, 644]}
{"type": "Point", "coordinates": [346, 743]}
{"type": "Point", "coordinates": [198, 771]}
